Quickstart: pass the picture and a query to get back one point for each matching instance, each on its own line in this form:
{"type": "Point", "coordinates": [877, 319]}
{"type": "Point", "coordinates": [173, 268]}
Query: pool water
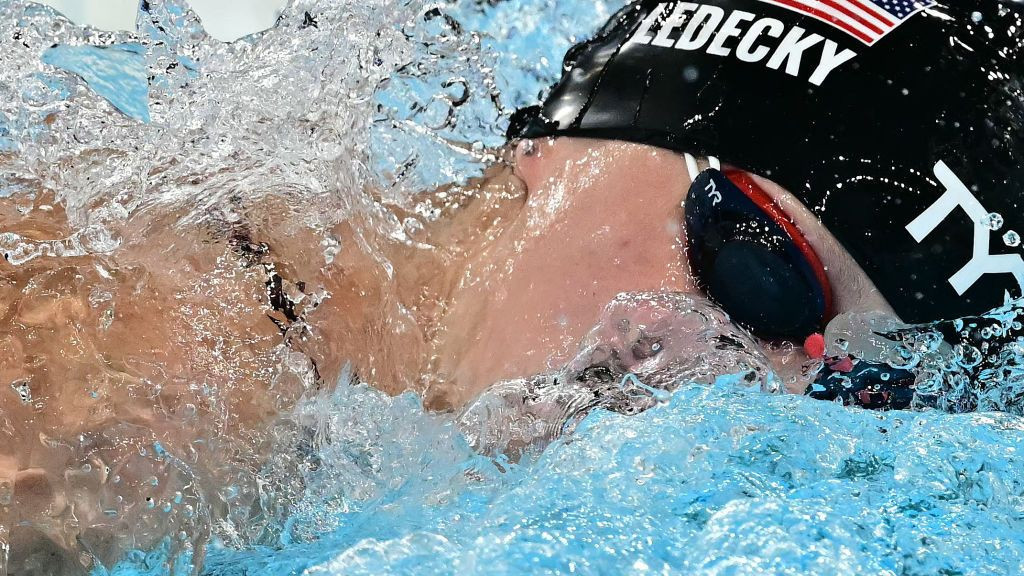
{"type": "Point", "coordinates": [720, 478]}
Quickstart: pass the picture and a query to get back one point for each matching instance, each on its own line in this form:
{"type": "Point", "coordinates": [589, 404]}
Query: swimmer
{"type": "Point", "coordinates": [835, 157]}
{"type": "Point", "coordinates": [791, 162]}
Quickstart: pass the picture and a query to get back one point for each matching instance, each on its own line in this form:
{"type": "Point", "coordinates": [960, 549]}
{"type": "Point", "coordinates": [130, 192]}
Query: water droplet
{"type": "Point", "coordinates": [927, 342]}
{"type": "Point", "coordinates": [994, 221]}
{"type": "Point", "coordinates": [975, 17]}
{"type": "Point", "coordinates": [24, 391]}
{"type": "Point", "coordinates": [970, 357]}
{"type": "Point", "coordinates": [1011, 239]}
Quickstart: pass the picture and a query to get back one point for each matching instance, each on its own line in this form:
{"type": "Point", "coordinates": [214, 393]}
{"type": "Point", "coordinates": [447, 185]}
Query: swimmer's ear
{"type": "Point", "coordinates": [527, 161]}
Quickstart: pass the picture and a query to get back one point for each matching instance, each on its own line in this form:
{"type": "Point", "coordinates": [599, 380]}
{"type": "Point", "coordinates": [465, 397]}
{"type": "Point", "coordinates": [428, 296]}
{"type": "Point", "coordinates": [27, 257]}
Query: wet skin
{"type": "Point", "coordinates": [196, 338]}
{"type": "Point", "coordinates": [599, 218]}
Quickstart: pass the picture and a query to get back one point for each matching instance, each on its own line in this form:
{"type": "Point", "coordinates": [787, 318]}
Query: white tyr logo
{"type": "Point", "coordinates": [712, 189]}
{"type": "Point", "coordinates": [981, 262]}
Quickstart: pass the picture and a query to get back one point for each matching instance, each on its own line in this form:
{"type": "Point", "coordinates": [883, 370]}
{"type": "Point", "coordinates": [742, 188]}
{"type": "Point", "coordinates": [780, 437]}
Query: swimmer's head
{"type": "Point", "coordinates": [898, 124]}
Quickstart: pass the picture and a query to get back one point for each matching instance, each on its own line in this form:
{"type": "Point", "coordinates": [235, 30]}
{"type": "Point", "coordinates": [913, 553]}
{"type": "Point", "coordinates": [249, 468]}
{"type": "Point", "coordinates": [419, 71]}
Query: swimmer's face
{"type": "Point", "coordinates": [599, 218]}
{"type": "Point", "coordinates": [605, 217]}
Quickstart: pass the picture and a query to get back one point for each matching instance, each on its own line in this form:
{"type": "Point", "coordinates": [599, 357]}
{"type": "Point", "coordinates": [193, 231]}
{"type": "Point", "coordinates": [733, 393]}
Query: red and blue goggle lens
{"type": "Point", "coordinates": [752, 260]}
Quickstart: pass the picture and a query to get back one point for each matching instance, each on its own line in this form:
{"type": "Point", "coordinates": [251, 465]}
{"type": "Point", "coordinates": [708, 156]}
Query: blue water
{"type": "Point", "coordinates": [720, 480]}
{"type": "Point", "coordinates": [717, 480]}
{"type": "Point", "coordinates": [117, 72]}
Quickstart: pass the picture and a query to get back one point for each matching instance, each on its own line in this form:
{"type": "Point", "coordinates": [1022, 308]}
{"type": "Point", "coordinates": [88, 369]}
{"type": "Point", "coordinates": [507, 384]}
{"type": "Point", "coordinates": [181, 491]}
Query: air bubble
{"type": "Point", "coordinates": [970, 357]}
{"type": "Point", "coordinates": [1011, 239]}
{"type": "Point", "coordinates": [994, 221]}
{"type": "Point", "coordinates": [928, 342]}
{"type": "Point", "coordinates": [24, 391]}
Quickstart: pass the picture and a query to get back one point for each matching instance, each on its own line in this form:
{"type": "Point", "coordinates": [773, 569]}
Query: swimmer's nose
{"type": "Point", "coordinates": [32, 553]}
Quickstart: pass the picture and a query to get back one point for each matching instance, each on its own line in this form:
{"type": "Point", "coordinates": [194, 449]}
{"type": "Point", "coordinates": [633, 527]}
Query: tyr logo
{"type": "Point", "coordinates": [981, 262]}
{"type": "Point", "coordinates": [712, 190]}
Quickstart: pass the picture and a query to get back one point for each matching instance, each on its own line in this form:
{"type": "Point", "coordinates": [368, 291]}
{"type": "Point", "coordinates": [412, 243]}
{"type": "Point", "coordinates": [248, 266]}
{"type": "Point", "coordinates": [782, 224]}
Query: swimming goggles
{"type": "Point", "coordinates": [749, 257]}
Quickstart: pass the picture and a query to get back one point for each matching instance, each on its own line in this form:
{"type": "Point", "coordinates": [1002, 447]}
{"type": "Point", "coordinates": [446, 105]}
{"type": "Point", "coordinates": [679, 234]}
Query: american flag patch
{"type": "Point", "coordinates": [866, 20]}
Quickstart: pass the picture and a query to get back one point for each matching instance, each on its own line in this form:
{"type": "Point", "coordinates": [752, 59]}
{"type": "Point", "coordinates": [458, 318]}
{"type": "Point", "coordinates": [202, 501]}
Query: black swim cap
{"type": "Point", "coordinates": [897, 122]}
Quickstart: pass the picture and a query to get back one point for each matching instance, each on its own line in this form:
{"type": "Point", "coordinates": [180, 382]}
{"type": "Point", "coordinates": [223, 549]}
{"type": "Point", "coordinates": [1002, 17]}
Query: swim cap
{"type": "Point", "coordinates": [897, 122]}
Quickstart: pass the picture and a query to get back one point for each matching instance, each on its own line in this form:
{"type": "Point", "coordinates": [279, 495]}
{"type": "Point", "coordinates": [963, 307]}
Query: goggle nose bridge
{"type": "Point", "coordinates": [693, 164]}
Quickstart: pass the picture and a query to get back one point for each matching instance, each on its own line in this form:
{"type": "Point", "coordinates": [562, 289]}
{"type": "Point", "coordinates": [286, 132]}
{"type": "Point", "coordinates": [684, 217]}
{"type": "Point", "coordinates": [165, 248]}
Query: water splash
{"type": "Point", "coordinates": [719, 477]}
{"type": "Point", "coordinates": [440, 116]}
{"type": "Point", "coordinates": [962, 365]}
{"type": "Point", "coordinates": [644, 347]}
{"type": "Point", "coordinates": [104, 132]}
